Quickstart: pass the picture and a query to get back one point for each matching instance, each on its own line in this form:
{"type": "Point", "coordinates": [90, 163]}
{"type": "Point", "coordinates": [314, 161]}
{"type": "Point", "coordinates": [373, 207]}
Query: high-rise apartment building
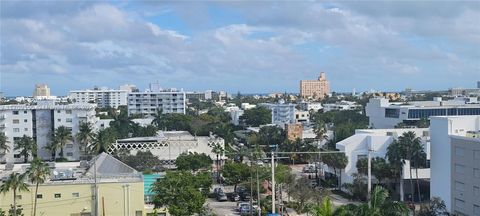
{"type": "Point", "coordinates": [103, 97]}
{"type": "Point", "coordinates": [282, 113]}
{"type": "Point", "coordinates": [148, 103]}
{"type": "Point", "coordinates": [315, 89]}
{"type": "Point", "coordinates": [41, 90]}
{"type": "Point", "coordinates": [455, 163]}
{"type": "Point", "coordinates": [39, 122]}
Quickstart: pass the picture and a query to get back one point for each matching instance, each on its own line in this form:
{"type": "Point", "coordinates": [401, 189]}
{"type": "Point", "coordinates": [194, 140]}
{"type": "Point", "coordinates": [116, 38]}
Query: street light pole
{"type": "Point", "coordinates": [369, 187]}
{"type": "Point", "coordinates": [273, 183]}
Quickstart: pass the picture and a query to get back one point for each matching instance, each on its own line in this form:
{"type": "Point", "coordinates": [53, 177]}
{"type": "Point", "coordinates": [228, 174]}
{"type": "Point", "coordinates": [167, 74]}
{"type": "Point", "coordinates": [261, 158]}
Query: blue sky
{"type": "Point", "coordinates": [247, 46]}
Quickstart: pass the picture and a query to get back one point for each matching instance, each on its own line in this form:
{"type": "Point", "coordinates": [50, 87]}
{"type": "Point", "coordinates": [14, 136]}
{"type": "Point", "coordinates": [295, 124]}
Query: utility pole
{"type": "Point", "coordinates": [258, 193]}
{"type": "Point", "coordinates": [369, 187]}
{"type": "Point", "coordinates": [273, 183]}
{"type": "Point", "coordinates": [95, 191]}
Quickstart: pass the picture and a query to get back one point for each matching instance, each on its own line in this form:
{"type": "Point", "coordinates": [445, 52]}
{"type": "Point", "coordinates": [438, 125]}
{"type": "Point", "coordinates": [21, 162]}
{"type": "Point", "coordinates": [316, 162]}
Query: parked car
{"type": "Point", "coordinates": [221, 196]}
{"type": "Point", "coordinates": [240, 206]}
{"type": "Point", "coordinates": [234, 197]}
{"type": "Point", "coordinates": [246, 210]}
{"type": "Point", "coordinates": [217, 190]}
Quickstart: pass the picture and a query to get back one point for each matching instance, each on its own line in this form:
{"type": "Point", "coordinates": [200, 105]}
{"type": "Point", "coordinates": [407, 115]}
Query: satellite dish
{"type": "Point", "coordinates": [55, 172]}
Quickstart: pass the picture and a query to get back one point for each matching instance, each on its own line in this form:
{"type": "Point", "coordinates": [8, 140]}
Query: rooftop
{"type": "Point", "coordinates": [82, 106]}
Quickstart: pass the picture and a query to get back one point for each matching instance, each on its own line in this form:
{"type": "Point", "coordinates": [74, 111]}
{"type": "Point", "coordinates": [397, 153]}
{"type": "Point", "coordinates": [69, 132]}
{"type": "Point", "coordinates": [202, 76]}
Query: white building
{"type": "Point", "coordinates": [302, 116]}
{"type": "Point", "coordinates": [455, 163]}
{"type": "Point", "coordinates": [235, 114]}
{"type": "Point", "coordinates": [385, 114]}
{"type": "Point", "coordinates": [148, 103]}
{"type": "Point", "coordinates": [38, 122]}
{"type": "Point", "coordinates": [342, 105]}
{"type": "Point", "coordinates": [310, 106]}
{"type": "Point", "coordinates": [103, 97]}
{"type": "Point", "coordinates": [247, 106]}
{"type": "Point", "coordinates": [281, 113]}
{"type": "Point", "coordinates": [378, 140]}
{"type": "Point", "coordinates": [168, 145]}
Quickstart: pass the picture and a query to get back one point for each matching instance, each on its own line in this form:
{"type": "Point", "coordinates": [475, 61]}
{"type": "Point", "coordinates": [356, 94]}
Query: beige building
{"type": "Point", "coordinates": [315, 89]}
{"type": "Point", "coordinates": [294, 131]}
{"type": "Point", "coordinates": [41, 90]}
{"type": "Point", "coordinates": [70, 189]}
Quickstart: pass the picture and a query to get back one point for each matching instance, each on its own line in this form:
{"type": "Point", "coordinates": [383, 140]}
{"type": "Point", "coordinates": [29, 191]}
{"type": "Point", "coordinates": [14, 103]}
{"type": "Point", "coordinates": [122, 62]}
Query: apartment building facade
{"type": "Point", "coordinates": [455, 163]}
{"type": "Point", "coordinates": [148, 103]}
{"type": "Point", "coordinates": [104, 98]}
{"type": "Point", "coordinates": [39, 122]}
{"type": "Point", "coordinates": [282, 113]}
{"type": "Point", "coordinates": [385, 114]}
{"type": "Point", "coordinates": [315, 89]}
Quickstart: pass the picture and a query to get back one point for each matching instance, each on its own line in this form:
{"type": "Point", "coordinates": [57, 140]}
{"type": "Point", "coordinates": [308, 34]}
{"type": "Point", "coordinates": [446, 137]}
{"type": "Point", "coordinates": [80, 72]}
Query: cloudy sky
{"type": "Point", "coordinates": [248, 46]}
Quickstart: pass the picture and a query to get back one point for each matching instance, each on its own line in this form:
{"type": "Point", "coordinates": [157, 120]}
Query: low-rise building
{"type": "Point", "coordinates": [103, 186]}
{"type": "Point", "coordinates": [282, 113]}
{"type": "Point", "coordinates": [247, 106]}
{"type": "Point", "coordinates": [168, 145]}
{"type": "Point", "coordinates": [302, 116]}
{"type": "Point", "coordinates": [294, 131]}
{"type": "Point", "coordinates": [235, 114]}
{"type": "Point", "coordinates": [342, 105]}
{"type": "Point", "coordinates": [39, 121]}
{"type": "Point", "coordinates": [385, 114]}
{"type": "Point", "coordinates": [377, 141]}
{"type": "Point", "coordinates": [455, 163]}
{"type": "Point", "coordinates": [310, 106]}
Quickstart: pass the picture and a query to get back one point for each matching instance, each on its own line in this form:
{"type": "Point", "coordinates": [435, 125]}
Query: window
{"type": "Point", "coordinates": [460, 204]}
{"type": "Point", "coordinates": [69, 154]}
{"type": "Point", "coordinates": [57, 195]}
{"type": "Point", "coordinates": [39, 196]}
{"type": "Point", "coordinates": [25, 120]}
{"type": "Point", "coordinates": [476, 191]}
{"type": "Point", "coordinates": [16, 129]}
{"type": "Point", "coordinates": [68, 111]}
{"type": "Point", "coordinates": [69, 145]}
{"type": "Point", "coordinates": [459, 151]}
{"type": "Point", "coordinates": [24, 112]}
{"type": "Point", "coordinates": [138, 213]}
{"type": "Point", "coordinates": [476, 155]}
{"type": "Point", "coordinates": [459, 169]}
{"type": "Point", "coordinates": [392, 113]}
{"type": "Point", "coordinates": [69, 119]}
{"type": "Point", "coordinates": [17, 156]}
{"type": "Point", "coordinates": [16, 121]}
{"type": "Point", "coordinates": [16, 138]}
{"type": "Point", "coordinates": [19, 197]}
{"type": "Point", "coordinates": [15, 112]}
{"type": "Point", "coordinates": [59, 120]}
{"type": "Point", "coordinates": [459, 186]}
{"type": "Point", "coordinates": [58, 111]}
{"type": "Point", "coordinates": [476, 173]}
{"type": "Point", "coordinates": [75, 194]}
{"type": "Point", "coordinates": [25, 129]}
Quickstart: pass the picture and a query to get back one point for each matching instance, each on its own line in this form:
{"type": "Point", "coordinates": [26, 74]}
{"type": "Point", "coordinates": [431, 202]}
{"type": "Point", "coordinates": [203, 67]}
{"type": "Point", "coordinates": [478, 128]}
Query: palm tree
{"type": "Point", "coordinates": [62, 135]}
{"type": "Point", "coordinates": [158, 119]}
{"type": "Point", "coordinates": [4, 147]}
{"type": "Point", "coordinates": [418, 157]}
{"type": "Point", "coordinates": [102, 140]}
{"type": "Point", "coordinates": [52, 147]}
{"type": "Point", "coordinates": [395, 155]}
{"type": "Point", "coordinates": [380, 205]}
{"type": "Point", "coordinates": [27, 147]}
{"type": "Point", "coordinates": [218, 150]}
{"type": "Point", "coordinates": [413, 147]}
{"type": "Point", "coordinates": [16, 183]}
{"type": "Point", "coordinates": [85, 135]}
{"type": "Point", "coordinates": [37, 174]}
{"type": "Point", "coordinates": [325, 209]}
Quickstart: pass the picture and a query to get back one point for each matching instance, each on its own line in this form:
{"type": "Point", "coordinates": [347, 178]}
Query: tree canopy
{"type": "Point", "coordinates": [256, 116]}
{"type": "Point", "coordinates": [193, 161]}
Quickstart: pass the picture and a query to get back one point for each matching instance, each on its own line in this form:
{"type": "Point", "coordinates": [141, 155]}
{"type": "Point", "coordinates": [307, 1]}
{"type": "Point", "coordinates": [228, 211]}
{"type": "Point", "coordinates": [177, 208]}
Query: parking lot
{"type": "Point", "coordinates": [222, 208]}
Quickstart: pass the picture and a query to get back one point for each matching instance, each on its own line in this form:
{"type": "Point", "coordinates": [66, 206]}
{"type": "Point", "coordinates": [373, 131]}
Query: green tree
{"type": "Point", "coordinates": [436, 207]}
{"type": "Point", "coordinates": [396, 153]}
{"type": "Point", "coordinates": [121, 124]}
{"type": "Point", "coordinates": [235, 173]}
{"type": "Point", "coordinates": [256, 116]}
{"type": "Point", "coordinates": [380, 205]}
{"type": "Point", "coordinates": [412, 145]}
{"type": "Point", "coordinates": [381, 169]}
{"type": "Point", "coordinates": [52, 146]}
{"type": "Point", "coordinates": [102, 140]}
{"type": "Point", "coordinates": [16, 183]}
{"type": "Point", "coordinates": [62, 135]}
{"type": "Point", "coordinates": [4, 143]}
{"type": "Point", "coordinates": [142, 161]}
{"type": "Point", "coordinates": [337, 161]}
{"type": "Point", "coordinates": [218, 151]}
{"type": "Point", "coordinates": [27, 147]}
{"type": "Point", "coordinates": [37, 174]}
{"type": "Point", "coordinates": [302, 192]}
{"type": "Point", "coordinates": [271, 135]}
{"type": "Point", "coordinates": [325, 209]}
{"type": "Point", "coordinates": [181, 192]}
{"type": "Point", "coordinates": [85, 135]}
{"type": "Point", "coordinates": [193, 161]}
